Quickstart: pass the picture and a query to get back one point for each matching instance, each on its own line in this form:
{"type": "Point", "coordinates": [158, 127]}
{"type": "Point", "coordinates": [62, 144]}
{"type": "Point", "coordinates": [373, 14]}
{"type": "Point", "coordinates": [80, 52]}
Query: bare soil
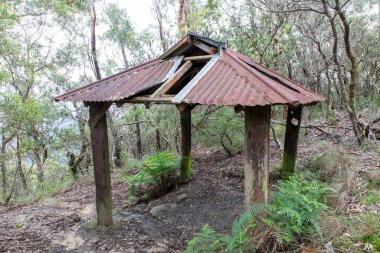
{"type": "Point", "coordinates": [66, 222]}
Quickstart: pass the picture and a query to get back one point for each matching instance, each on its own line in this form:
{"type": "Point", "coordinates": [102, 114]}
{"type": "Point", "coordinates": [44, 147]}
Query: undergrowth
{"type": "Point", "coordinates": [291, 218]}
{"type": "Point", "coordinates": [156, 175]}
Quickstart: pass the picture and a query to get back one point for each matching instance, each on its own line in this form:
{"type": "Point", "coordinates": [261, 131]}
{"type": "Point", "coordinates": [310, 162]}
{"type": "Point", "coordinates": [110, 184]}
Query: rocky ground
{"type": "Point", "coordinates": [65, 222]}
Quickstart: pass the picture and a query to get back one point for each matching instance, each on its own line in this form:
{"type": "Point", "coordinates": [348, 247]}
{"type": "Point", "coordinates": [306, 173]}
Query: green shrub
{"type": "Point", "coordinates": [239, 241]}
{"type": "Point", "coordinates": [296, 207]}
{"type": "Point", "coordinates": [156, 175]}
{"type": "Point", "coordinates": [294, 213]}
{"type": "Point", "coordinates": [333, 165]}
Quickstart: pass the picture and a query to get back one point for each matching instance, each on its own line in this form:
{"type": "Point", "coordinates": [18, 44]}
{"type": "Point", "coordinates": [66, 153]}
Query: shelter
{"type": "Point", "coordinates": [198, 71]}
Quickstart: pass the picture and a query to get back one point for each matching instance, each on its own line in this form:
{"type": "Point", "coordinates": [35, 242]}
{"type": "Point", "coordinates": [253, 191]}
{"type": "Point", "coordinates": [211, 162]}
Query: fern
{"type": "Point", "coordinates": [296, 207]}
{"type": "Point", "coordinates": [239, 241]}
{"type": "Point", "coordinates": [155, 176]}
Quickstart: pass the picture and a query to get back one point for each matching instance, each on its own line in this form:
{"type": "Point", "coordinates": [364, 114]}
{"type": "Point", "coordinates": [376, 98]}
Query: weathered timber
{"type": "Point", "coordinates": [198, 58]}
{"type": "Point", "coordinates": [100, 155]}
{"type": "Point", "coordinates": [163, 99]}
{"type": "Point", "coordinates": [293, 124]}
{"type": "Point", "coordinates": [185, 121]}
{"type": "Point", "coordinates": [256, 152]}
{"type": "Point", "coordinates": [204, 47]}
{"type": "Point", "coordinates": [173, 80]}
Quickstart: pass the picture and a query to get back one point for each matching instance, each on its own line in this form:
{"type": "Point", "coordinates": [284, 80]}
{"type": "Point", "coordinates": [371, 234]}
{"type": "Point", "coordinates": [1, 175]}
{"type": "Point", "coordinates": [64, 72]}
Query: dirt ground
{"type": "Point", "coordinates": [65, 222]}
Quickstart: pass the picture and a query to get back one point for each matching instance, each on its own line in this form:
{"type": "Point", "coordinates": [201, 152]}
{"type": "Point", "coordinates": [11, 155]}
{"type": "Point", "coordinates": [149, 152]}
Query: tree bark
{"type": "Point", "coordinates": [256, 153]}
{"type": "Point", "coordinates": [293, 124]}
{"type": "Point", "coordinates": [138, 136]}
{"type": "Point", "coordinates": [102, 173]}
{"type": "Point", "coordinates": [93, 44]}
{"type": "Point", "coordinates": [19, 164]}
{"type": "Point", "coordinates": [185, 121]}
{"type": "Point", "coordinates": [4, 170]}
{"type": "Point", "coordinates": [349, 106]}
{"type": "Point", "coordinates": [159, 18]}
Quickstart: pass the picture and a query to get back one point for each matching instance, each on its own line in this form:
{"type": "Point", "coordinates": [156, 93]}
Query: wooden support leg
{"type": "Point", "coordinates": [293, 123]}
{"type": "Point", "coordinates": [100, 156]}
{"type": "Point", "coordinates": [185, 119]}
{"type": "Point", "coordinates": [256, 152]}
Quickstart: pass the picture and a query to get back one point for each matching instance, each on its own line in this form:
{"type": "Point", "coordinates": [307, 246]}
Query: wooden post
{"type": "Point", "coordinates": [293, 123]}
{"type": "Point", "coordinates": [256, 152]}
{"type": "Point", "coordinates": [185, 120]}
{"type": "Point", "coordinates": [100, 156]}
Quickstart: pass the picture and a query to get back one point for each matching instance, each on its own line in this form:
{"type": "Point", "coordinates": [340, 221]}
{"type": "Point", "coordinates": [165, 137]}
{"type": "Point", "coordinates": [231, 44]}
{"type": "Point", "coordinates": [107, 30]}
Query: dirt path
{"type": "Point", "coordinates": [65, 223]}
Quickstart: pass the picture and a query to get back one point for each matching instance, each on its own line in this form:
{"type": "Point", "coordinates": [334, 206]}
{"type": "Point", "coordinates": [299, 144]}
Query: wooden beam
{"type": "Point", "coordinates": [293, 124]}
{"type": "Point", "coordinates": [102, 110]}
{"type": "Point", "coordinates": [204, 47]}
{"type": "Point", "coordinates": [163, 99]}
{"type": "Point", "coordinates": [186, 157]}
{"type": "Point", "coordinates": [256, 152]}
{"type": "Point", "coordinates": [198, 58]}
{"type": "Point", "coordinates": [173, 80]}
{"type": "Point", "coordinates": [100, 156]}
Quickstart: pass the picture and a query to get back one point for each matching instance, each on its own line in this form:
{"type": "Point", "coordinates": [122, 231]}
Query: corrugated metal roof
{"type": "Point", "coordinates": [121, 85]}
{"type": "Point", "coordinates": [229, 78]}
{"type": "Point", "coordinates": [237, 80]}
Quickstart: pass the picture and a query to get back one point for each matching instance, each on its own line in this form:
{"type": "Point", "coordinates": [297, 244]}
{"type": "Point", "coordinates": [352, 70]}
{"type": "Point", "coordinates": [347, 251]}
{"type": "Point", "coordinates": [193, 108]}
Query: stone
{"type": "Point", "coordinates": [181, 197]}
{"type": "Point", "coordinates": [162, 209]}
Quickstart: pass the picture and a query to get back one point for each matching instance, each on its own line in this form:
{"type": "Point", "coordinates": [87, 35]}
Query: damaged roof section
{"type": "Point", "coordinates": [197, 70]}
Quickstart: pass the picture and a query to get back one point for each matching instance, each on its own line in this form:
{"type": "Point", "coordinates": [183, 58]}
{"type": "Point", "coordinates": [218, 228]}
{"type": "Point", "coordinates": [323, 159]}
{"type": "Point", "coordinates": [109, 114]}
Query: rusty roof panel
{"type": "Point", "coordinates": [121, 85]}
{"type": "Point", "coordinates": [237, 80]}
{"type": "Point", "coordinates": [229, 78]}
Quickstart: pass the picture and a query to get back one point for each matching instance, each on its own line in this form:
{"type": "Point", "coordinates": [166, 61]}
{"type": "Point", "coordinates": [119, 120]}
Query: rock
{"type": "Point", "coordinates": [329, 247]}
{"type": "Point", "coordinates": [161, 209]}
{"type": "Point", "coordinates": [181, 197]}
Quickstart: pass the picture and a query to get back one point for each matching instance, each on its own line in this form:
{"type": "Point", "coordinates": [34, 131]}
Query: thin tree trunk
{"type": "Point", "coordinates": [40, 166]}
{"type": "Point", "coordinates": [4, 170]}
{"type": "Point", "coordinates": [159, 19]}
{"type": "Point", "coordinates": [345, 97]}
{"type": "Point", "coordinates": [93, 44]}
{"type": "Point", "coordinates": [180, 17]}
{"type": "Point", "coordinates": [138, 136]}
{"type": "Point", "coordinates": [19, 164]}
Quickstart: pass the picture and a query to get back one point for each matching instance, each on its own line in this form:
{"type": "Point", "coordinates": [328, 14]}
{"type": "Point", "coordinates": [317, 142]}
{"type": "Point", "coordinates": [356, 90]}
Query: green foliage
{"type": "Point", "coordinates": [362, 229]}
{"type": "Point", "coordinates": [211, 131]}
{"type": "Point", "coordinates": [371, 199]}
{"type": "Point", "coordinates": [240, 239]}
{"type": "Point", "coordinates": [155, 176]}
{"type": "Point", "coordinates": [296, 208]}
{"type": "Point", "coordinates": [332, 165]}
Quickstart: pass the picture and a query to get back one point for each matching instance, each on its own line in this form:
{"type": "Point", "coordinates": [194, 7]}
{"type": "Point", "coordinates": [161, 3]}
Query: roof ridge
{"type": "Point", "coordinates": [57, 98]}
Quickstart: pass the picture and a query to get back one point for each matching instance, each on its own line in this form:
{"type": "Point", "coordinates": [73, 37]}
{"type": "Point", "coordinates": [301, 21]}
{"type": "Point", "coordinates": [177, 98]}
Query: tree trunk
{"type": "Point", "coordinates": [138, 136]}
{"type": "Point", "coordinates": [180, 17]}
{"type": "Point", "coordinates": [19, 164]}
{"type": "Point", "coordinates": [40, 166]}
{"type": "Point", "coordinates": [256, 152]}
{"type": "Point", "coordinates": [158, 140]}
{"type": "Point", "coordinates": [102, 173]}
{"type": "Point", "coordinates": [293, 124]}
{"type": "Point", "coordinates": [159, 19]}
{"type": "Point", "coordinates": [4, 171]}
{"type": "Point", "coordinates": [93, 44]}
{"type": "Point", "coordinates": [346, 99]}
{"type": "Point", "coordinates": [185, 121]}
